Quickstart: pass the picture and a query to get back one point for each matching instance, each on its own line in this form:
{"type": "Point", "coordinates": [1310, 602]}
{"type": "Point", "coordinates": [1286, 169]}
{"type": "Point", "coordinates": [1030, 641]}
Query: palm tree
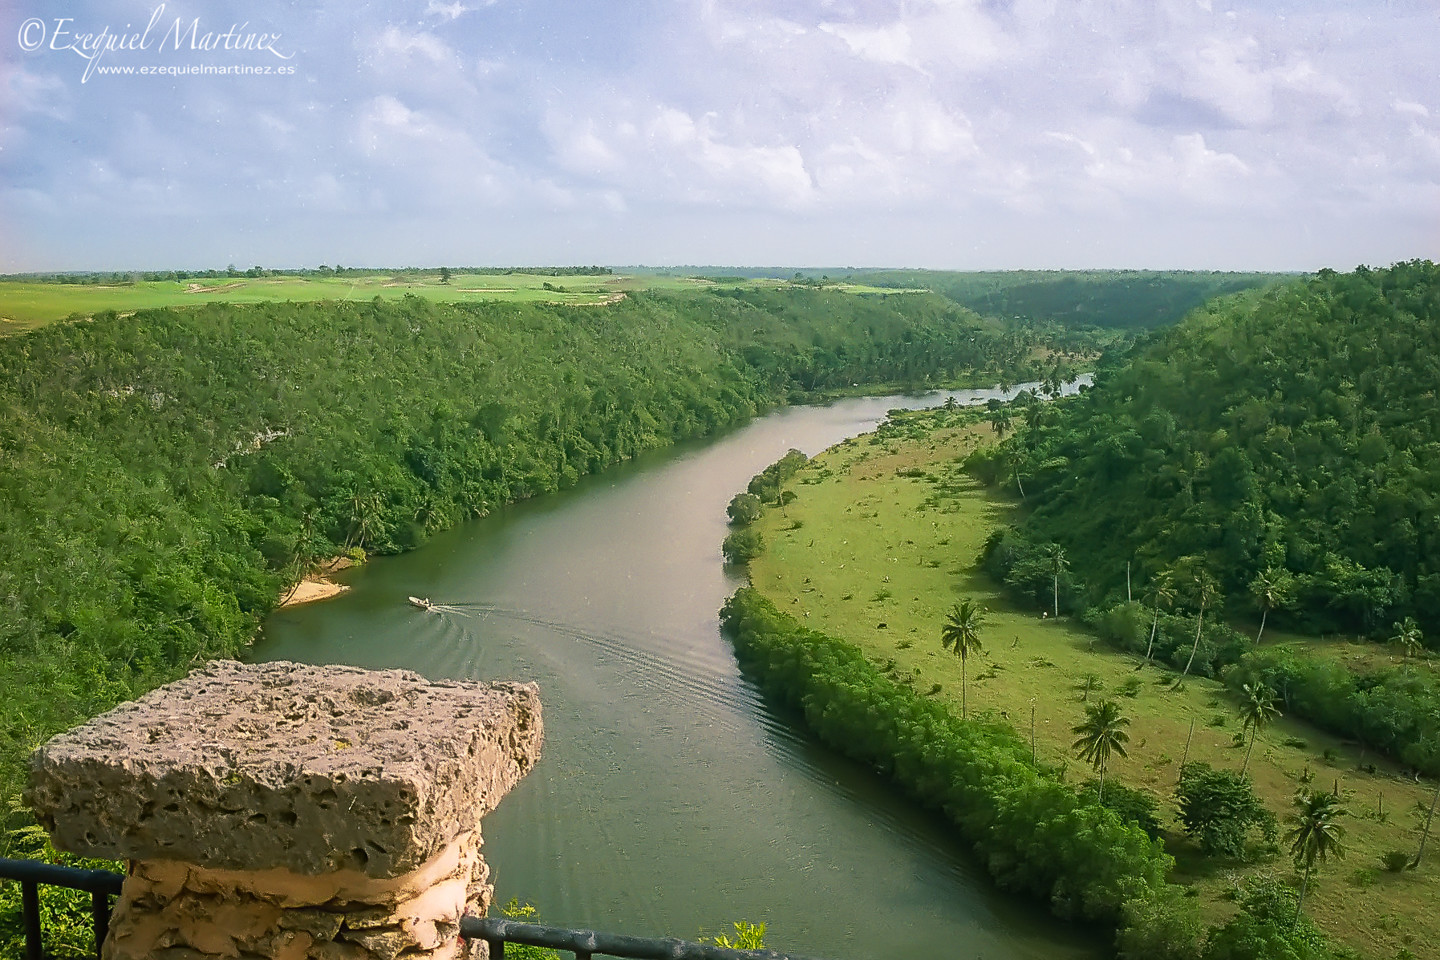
{"type": "Point", "coordinates": [1316, 833]}
{"type": "Point", "coordinates": [1055, 560]}
{"type": "Point", "coordinates": [365, 519]}
{"type": "Point", "coordinates": [961, 634]}
{"type": "Point", "coordinates": [1000, 419]}
{"type": "Point", "coordinates": [1101, 733]}
{"type": "Point", "coordinates": [1256, 711]}
{"type": "Point", "coordinates": [1161, 591]}
{"type": "Point", "coordinates": [1408, 636]}
{"type": "Point", "coordinates": [1271, 589]}
{"type": "Point", "coordinates": [1207, 592]}
{"type": "Point", "coordinates": [1425, 834]}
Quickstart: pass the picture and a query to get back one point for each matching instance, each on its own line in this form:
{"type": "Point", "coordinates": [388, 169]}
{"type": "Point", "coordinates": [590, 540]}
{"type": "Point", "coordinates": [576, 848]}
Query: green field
{"type": "Point", "coordinates": [25, 305]}
{"type": "Point", "coordinates": [882, 540]}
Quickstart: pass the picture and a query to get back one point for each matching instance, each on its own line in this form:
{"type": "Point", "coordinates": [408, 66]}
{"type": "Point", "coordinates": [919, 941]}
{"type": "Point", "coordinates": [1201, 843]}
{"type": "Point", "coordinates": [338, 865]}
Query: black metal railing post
{"type": "Point", "coordinates": [30, 914]}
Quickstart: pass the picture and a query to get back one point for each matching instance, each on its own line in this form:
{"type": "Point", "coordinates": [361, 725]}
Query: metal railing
{"type": "Point", "coordinates": [100, 884]}
{"type": "Point", "coordinates": [495, 931]}
{"type": "Point", "coordinates": [585, 944]}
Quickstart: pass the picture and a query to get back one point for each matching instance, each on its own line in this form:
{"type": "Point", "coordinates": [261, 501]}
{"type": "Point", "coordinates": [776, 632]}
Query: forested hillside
{"type": "Point", "coordinates": [163, 475]}
{"type": "Point", "coordinates": [1283, 448]}
{"type": "Point", "coordinates": [1118, 299]}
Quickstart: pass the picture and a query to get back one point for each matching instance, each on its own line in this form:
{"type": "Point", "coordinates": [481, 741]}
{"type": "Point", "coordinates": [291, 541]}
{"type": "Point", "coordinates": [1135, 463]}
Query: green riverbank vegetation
{"type": "Point", "coordinates": [845, 621]}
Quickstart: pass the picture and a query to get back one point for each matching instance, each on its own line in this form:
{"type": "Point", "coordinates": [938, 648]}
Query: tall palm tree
{"type": "Point", "coordinates": [1207, 593]}
{"type": "Point", "coordinates": [1055, 560]}
{"type": "Point", "coordinates": [1408, 636]}
{"type": "Point", "coordinates": [1161, 591]}
{"type": "Point", "coordinates": [1101, 734]}
{"type": "Point", "coordinates": [961, 635]}
{"type": "Point", "coordinates": [1256, 711]}
{"type": "Point", "coordinates": [1425, 834]}
{"type": "Point", "coordinates": [1271, 589]}
{"type": "Point", "coordinates": [1315, 834]}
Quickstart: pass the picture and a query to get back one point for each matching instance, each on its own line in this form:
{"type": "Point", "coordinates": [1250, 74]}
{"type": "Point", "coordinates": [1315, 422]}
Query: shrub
{"type": "Point", "coordinates": [742, 546]}
{"type": "Point", "coordinates": [1395, 860]}
{"type": "Point", "coordinates": [744, 509]}
{"type": "Point", "coordinates": [1268, 926]}
{"type": "Point", "coordinates": [1164, 925]}
{"type": "Point", "coordinates": [1219, 808]}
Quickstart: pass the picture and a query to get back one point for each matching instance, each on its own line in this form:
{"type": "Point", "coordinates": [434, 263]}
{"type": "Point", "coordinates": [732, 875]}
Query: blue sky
{"type": "Point", "coordinates": [960, 134]}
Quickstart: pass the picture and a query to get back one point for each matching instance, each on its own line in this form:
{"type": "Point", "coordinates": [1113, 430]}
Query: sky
{"type": "Point", "coordinates": [956, 134]}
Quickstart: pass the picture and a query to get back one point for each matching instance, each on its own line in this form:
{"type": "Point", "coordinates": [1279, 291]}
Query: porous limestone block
{"type": "Point", "coordinates": [282, 765]}
{"type": "Point", "coordinates": [174, 909]}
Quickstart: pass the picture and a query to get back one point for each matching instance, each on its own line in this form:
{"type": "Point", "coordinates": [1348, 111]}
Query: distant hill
{"type": "Point", "coordinates": [1295, 431]}
{"type": "Point", "coordinates": [1121, 299]}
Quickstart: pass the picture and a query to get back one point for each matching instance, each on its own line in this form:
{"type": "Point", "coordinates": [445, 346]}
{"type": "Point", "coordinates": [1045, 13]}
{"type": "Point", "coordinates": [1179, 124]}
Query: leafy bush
{"type": "Point", "coordinates": [742, 546]}
{"type": "Point", "coordinates": [744, 508]}
{"type": "Point", "coordinates": [1269, 926]}
{"type": "Point", "coordinates": [526, 913]}
{"type": "Point", "coordinates": [1219, 809]}
{"type": "Point", "coordinates": [1163, 925]}
{"type": "Point", "coordinates": [1131, 805]}
{"type": "Point", "coordinates": [1395, 860]}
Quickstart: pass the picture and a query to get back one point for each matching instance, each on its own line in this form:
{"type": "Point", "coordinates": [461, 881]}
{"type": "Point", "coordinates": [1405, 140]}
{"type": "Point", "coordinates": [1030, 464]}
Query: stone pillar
{"type": "Point", "coordinates": [290, 811]}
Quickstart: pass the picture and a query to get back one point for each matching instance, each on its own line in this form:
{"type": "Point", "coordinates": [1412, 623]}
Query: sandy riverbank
{"type": "Point", "coordinates": [317, 585]}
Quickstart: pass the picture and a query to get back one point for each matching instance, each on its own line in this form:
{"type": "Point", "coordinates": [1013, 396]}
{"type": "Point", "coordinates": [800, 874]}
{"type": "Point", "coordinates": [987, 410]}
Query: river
{"type": "Point", "coordinates": [670, 798]}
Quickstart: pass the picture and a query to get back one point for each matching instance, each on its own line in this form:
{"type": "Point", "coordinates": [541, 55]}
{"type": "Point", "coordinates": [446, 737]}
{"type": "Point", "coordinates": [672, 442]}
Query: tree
{"type": "Point", "coordinates": [1087, 685]}
{"type": "Point", "coordinates": [744, 509]}
{"type": "Point", "coordinates": [1056, 562]}
{"type": "Point", "coordinates": [1315, 834]}
{"type": "Point", "coordinates": [1219, 808]}
{"type": "Point", "coordinates": [1206, 592]}
{"type": "Point", "coordinates": [1101, 733]}
{"type": "Point", "coordinates": [742, 546]}
{"type": "Point", "coordinates": [961, 636]}
{"type": "Point", "coordinates": [1425, 832]}
{"type": "Point", "coordinates": [1257, 709]}
{"type": "Point", "coordinates": [1408, 637]}
{"type": "Point", "coordinates": [444, 274]}
{"type": "Point", "coordinates": [1000, 419]}
{"type": "Point", "coordinates": [366, 522]}
{"type": "Point", "coordinates": [1271, 588]}
{"type": "Point", "coordinates": [1162, 590]}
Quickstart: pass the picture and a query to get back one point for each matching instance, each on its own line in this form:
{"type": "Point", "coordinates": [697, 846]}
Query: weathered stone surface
{"type": "Point", "coordinates": [169, 908]}
{"type": "Point", "coordinates": [312, 770]}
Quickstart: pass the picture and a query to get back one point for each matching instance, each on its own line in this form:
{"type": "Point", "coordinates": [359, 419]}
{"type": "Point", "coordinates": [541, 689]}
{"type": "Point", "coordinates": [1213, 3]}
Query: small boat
{"type": "Point", "coordinates": [423, 604]}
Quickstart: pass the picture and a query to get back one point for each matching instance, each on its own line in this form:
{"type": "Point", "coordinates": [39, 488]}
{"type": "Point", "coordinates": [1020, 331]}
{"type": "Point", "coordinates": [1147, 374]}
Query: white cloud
{"type": "Point", "coordinates": [887, 44]}
{"type": "Point", "coordinates": [396, 41]}
{"type": "Point", "coordinates": [774, 172]}
{"type": "Point", "coordinates": [38, 93]}
{"type": "Point", "coordinates": [449, 11]}
{"type": "Point", "coordinates": [1409, 108]}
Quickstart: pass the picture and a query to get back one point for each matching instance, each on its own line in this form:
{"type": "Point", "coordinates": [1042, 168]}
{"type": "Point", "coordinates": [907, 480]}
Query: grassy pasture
{"type": "Point", "coordinates": [26, 305]}
{"type": "Point", "coordinates": [882, 540]}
